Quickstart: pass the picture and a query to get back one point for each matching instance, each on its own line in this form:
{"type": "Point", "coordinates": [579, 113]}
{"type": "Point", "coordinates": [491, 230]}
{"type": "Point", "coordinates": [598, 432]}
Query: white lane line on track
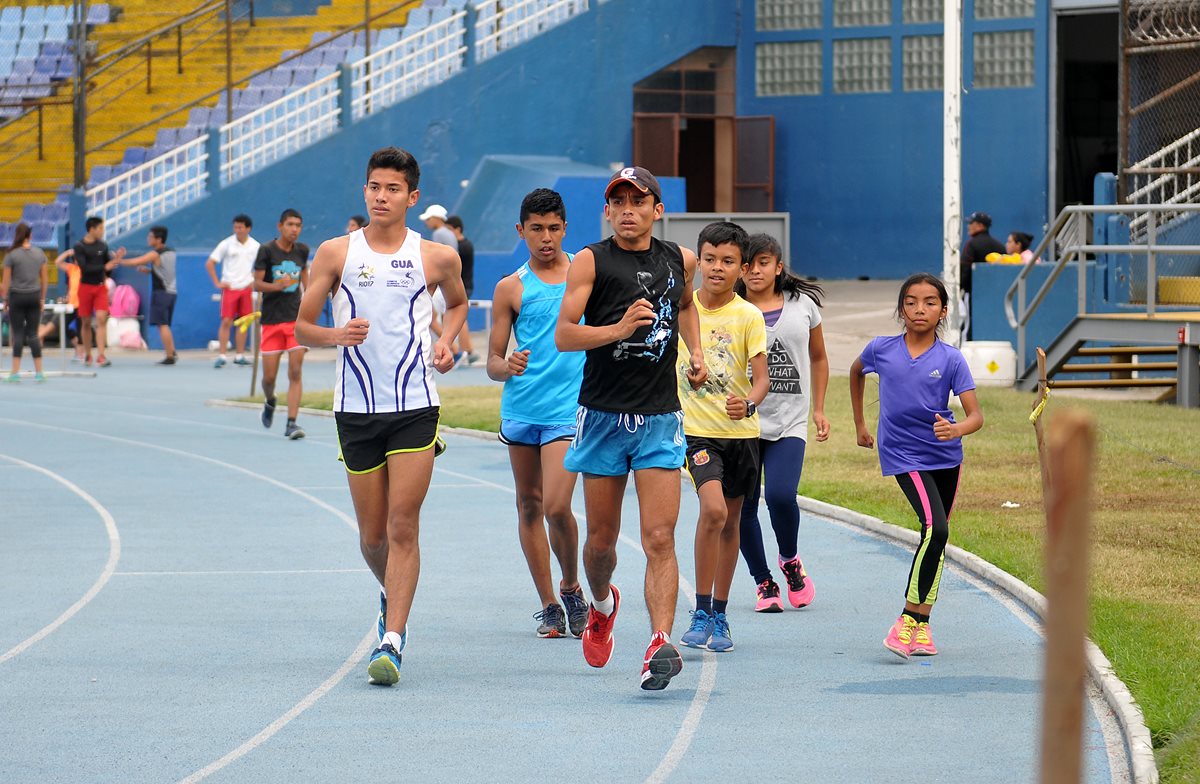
{"type": "Point", "coordinates": [114, 555]}
{"type": "Point", "coordinates": [241, 572]}
{"type": "Point", "coordinates": [364, 647]}
{"type": "Point", "coordinates": [708, 667]}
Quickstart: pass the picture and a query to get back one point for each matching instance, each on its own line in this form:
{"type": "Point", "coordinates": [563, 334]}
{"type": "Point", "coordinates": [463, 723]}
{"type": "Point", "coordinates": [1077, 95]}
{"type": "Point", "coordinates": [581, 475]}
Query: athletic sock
{"type": "Point", "coordinates": [271, 401]}
{"type": "Point", "coordinates": [704, 602]}
{"type": "Point", "coordinates": [239, 357]}
{"type": "Point", "coordinates": [912, 615]}
{"type": "Point", "coordinates": [394, 639]}
{"type": "Point", "coordinates": [605, 607]}
{"type": "Point", "coordinates": [291, 421]}
{"type": "Point", "coordinates": [921, 618]}
{"type": "Point", "coordinates": [719, 605]}
{"type": "Point", "coordinates": [221, 357]}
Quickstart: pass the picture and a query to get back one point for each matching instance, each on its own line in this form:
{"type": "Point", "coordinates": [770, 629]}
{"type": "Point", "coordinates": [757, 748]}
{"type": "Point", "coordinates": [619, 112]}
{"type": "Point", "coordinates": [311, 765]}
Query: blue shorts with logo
{"type": "Point", "coordinates": [516, 433]}
{"type": "Point", "coordinates": [609, 444]}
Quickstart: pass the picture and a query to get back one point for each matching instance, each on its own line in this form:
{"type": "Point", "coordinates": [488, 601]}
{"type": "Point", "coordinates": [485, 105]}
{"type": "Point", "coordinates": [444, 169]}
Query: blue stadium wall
{"type": "Point", "coordinates": [860, 173]}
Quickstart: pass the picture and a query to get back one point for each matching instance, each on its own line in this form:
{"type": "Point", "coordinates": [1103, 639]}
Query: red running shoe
{"type": "Point", "coordinates": [662, 663]}
{"type": "Point", "coordinates": [598, 636]}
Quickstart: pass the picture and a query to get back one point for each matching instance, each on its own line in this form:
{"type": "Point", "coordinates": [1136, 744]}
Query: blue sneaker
{"type": "Point", "coordinates": [268, 413]}
{"type": "Point", "coordinates": [701, 629]}
{"type": "Point", "coordinates": [720, 641]}
{"type": "Point", "coordinates": [384, 668]}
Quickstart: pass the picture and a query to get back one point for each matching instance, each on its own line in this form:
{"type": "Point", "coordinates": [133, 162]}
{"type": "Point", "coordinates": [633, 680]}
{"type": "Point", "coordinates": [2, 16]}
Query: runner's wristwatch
{"type": "Point", "coordinates": [751, 409]}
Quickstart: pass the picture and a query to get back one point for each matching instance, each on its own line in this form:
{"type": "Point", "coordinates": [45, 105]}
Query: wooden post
{"type": "Point", "coordinates": [1070, 449]}
{"type": "Point", "coordinates": [1038, 429]}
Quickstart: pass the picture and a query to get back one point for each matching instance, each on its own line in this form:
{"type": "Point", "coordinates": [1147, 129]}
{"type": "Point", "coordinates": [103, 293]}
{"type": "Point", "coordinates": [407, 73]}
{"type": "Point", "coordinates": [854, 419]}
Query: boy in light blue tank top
{"type": "Point", "coordinates": [537, 409]}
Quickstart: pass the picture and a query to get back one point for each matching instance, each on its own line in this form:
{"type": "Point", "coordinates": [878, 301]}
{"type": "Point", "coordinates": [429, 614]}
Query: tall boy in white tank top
{"type": "Point", "coordinates": [382, 278]}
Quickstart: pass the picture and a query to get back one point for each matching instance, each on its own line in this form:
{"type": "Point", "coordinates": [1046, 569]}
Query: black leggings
{"type": "Point", "coordinates": [24, 312]}
{"type": "Point", "coordinates": [931, 494]}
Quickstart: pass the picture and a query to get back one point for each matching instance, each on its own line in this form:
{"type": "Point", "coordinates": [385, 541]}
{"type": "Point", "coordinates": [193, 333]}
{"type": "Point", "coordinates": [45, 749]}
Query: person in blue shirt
{"type": "Point", "coordinates": [537, 409]}
{"type": "Point", "coordinates": [919, 441]}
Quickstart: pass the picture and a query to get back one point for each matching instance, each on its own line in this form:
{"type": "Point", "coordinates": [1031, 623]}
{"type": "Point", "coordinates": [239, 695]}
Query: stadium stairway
{"type": "Point", "coordinates": [255, 48]}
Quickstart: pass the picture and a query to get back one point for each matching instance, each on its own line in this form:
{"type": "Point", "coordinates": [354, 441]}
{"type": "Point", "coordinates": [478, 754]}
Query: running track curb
{"type": "Point", "coordinates": [1138, 743]}
{"type": "Point", "coordinates": [1137, 737]}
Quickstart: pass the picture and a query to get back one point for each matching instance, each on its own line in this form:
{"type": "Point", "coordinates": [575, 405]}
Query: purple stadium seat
{"type": "Point", "coordinates": [199, 117]}
{"type": "Point", "coordinates": [188, 133]}
{"type": "Point", "coordinates": [43, 232]}
{"type": "Point", "coordinates": [166, 138]}
{"type": "Point", "coordinates": [99, 13]}
{"type": "Point", "coordinates": [6, 233]}
{"type": "Point", "coordinates": [134, 156]}
{"type": "Point", "coordinates": [32, 213]}
{"type": "Point", "coordinates": [303, 75]}
{"type": "Point", "coordinates": [281, 76]}
{"type": "Point", "coordinates": [100, 173]}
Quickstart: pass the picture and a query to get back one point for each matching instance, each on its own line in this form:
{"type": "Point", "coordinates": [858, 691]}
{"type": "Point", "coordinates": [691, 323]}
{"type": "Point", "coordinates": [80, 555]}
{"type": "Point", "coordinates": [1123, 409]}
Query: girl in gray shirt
{"type": "Point", "coordinates": [799, 373]}
{"type": "Point", "coordinates": [24, 286]}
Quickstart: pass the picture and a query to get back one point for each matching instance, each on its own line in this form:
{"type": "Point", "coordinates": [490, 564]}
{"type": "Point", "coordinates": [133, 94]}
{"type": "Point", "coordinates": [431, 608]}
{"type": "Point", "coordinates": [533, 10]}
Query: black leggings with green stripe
{"type": "Point", "coordinates": [931, 494]}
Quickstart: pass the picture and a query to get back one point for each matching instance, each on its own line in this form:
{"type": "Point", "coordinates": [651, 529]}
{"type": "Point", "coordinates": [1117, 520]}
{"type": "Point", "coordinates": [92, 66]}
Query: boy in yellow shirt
{"type": "Point", "coordinates": [720, 424]}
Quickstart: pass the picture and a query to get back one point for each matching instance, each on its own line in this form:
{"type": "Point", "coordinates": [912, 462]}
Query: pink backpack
{"type": "Point", "coordinates": [125, 301]}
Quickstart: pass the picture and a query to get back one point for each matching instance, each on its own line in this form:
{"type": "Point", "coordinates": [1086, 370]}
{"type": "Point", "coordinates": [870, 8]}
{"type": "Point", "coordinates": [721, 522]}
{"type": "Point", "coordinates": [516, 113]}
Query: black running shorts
{"type": "Point", "coordinates": [366, 440]}
{"type": "Point", "coordinates": [733, 461]}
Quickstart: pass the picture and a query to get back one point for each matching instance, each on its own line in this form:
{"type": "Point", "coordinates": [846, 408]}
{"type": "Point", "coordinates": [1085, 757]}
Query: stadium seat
{"type": "Point", "coordinates": [134, 156]}
{"type": "Point", "coordinates": [303, 75]}
{"type": "Point", "coordinates": [388, 37]}
{"type": "Point", "coordinates": [29, 47]}
{"type": "Point", "coordinates": [100, 13]}
{"type": "Point", "coordinates": [199, 117]}
{"type": "Point", "coordinates": [43, 232]}
{"type": "Point", "coordinates": [281, 76]}
{"type": "Point", "coordinates": [57, 13]}
{"type": "Point", "coordinates": [35, 16]}
{"type": "Point", "coordinates": [418, 18]}
{"type": "Point", "coordinates": [100, 173]}
{"type": "Point", "coordinates": [57, 31]}
{"type": "Point", "coordinates": [166, 138]}
{"type": "Point", "coordinates": [10, 17]}
{"type": "Point", "coordinates": [188, 133]}
{"type": "Point", "coordinates": [32, 213]}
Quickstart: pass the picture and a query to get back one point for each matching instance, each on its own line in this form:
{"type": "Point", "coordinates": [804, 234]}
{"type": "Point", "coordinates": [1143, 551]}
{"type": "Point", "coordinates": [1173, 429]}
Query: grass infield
{"type": "Point", "coordinates": [1145, 560]}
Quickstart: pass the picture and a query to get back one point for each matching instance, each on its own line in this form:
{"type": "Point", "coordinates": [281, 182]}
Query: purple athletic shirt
{"type": "Point", "coordinates": [911, 392]}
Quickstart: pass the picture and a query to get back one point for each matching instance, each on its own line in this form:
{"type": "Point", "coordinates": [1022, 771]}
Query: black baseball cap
{"type": "Point", "coordinates": [980, 217]}
{"type": "Point", "coordinates": [639, 178]}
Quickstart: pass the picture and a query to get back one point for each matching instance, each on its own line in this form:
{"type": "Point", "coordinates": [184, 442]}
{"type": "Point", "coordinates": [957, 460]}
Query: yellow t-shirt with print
{"type": "Point", "coordinates": [730, 336]}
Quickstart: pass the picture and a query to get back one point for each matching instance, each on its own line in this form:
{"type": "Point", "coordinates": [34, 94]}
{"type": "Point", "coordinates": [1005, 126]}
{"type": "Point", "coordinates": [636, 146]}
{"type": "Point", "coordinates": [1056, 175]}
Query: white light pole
{"type": "Point", "coordinates": [952, 160]}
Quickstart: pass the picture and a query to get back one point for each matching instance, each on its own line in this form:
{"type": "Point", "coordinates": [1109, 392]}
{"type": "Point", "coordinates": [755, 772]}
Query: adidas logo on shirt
{"type": "Point", "coordinates": [936, 373]}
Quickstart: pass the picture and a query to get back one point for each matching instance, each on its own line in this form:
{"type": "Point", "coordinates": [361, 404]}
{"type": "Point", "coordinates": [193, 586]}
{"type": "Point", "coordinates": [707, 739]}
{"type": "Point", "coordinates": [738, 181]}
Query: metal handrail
{"type": "Point", "coordinates": [118, 54]}
{"type": "Point", "coordinates": [1072, 216]}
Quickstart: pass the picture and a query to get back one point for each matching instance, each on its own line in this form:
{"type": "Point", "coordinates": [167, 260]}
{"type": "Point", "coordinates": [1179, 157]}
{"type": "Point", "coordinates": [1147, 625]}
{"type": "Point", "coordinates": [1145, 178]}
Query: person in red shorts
{"type": "Point", "coordinates": [236, 254]}
{"type": "Point", "coordinates": [95, 261]}
{"type": "Point", "coordinates": [281, 274]}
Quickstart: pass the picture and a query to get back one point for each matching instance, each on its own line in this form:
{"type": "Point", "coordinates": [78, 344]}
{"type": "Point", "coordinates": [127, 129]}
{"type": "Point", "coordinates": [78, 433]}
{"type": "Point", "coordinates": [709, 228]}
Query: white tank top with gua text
{"type": "Point", "coordinates": [392, 369]}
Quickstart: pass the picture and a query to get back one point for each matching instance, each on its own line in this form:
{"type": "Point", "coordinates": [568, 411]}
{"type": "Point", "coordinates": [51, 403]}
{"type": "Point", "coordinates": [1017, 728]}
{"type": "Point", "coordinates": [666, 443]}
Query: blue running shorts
{"type": "Point", "coordinates": [608, 444]}
{"type": "Point", "coordinates": [516, 433]}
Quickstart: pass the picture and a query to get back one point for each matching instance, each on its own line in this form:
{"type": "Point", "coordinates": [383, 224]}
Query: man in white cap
{"type": "Point", "coordinates": [435, 218]}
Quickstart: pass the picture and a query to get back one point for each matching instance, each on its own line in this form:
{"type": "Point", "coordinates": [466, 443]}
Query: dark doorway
{"type": "Point", "coordinates": [1087, 111]}
{"type": "Point", "coordinates": [697, 151]}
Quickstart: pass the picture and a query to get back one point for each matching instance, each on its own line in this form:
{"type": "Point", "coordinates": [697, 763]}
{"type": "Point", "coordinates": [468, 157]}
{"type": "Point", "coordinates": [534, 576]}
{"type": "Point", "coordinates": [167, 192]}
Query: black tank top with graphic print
{"type": "Point", "coordinates": [635, 375]}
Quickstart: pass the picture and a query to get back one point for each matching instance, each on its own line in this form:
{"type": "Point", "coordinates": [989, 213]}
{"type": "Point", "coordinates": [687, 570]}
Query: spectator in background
{"type": "Point", "coordinates": [978, 246]}
{"type": "Point", "coordinates": [236, 254]}
{"type": "Point", "coordinates": [1019, 242]}
{"type": "Point", "coordinates": [24, 285]}
{"type": "Point", "coordinates": [281, 274]}
{"type": "Point", "coordinates": [95, 261]}
{"type": "Point", "coordinates": [434, 217]}
{"type": "Point", "coordinates": [159, 261]}
{"type": "Point", "coordinates": [50, 320]}
{"type": "Point", "coordinates": [355, 223]}
{"type": "Point", "coordinates": [466, 252]}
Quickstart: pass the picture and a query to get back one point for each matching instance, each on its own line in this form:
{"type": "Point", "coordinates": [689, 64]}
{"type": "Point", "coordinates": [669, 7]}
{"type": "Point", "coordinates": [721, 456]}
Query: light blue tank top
{"type": "Point", "coordinates": [548, 391]}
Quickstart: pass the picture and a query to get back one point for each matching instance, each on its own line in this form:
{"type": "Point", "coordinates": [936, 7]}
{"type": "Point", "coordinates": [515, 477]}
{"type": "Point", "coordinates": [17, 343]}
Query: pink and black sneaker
{"type": "Point", "coordinates": [800, 587]}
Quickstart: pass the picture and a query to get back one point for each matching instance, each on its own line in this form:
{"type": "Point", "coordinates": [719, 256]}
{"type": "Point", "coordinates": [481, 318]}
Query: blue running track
{"type": "Point", "coordinates": [182, 599]}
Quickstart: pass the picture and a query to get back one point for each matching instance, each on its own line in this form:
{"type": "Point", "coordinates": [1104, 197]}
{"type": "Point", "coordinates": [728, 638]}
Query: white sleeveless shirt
{"type": "Point", "coordinates": [392, 370]}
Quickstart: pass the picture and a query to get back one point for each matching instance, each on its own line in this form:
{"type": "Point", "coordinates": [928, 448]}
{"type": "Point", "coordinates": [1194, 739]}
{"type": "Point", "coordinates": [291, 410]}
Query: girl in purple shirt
{"type": "Point", "coordinates": [920, 443]}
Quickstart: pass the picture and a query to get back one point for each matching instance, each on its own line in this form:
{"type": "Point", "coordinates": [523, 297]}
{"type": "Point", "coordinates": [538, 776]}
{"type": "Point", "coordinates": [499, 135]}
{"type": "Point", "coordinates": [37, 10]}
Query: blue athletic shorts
{"type": "Point", "coordinates": [608, 444]}
{"type": "Point", "coordinates": [516, 433]}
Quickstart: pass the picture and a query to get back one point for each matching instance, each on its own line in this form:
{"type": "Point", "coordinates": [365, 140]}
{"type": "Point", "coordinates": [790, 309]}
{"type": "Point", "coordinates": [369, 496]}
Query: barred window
{"type": "Point", "coordinates": [787, 14]}
{"type": "Point", "coordinates": [788, 68]}
{"type": "Point", "coordinates": [1004, 59]}
{"type": "Point", "coordinates": [922, 56]}
{"type": "Point", "coordinates": [1003, 9]}
{"type": "Point", "coordinates": [862, 65]}
{"type": "Point", "coordinates": [861, 13]}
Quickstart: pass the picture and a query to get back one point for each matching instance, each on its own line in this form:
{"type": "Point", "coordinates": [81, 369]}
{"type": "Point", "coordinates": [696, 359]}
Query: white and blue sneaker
{"type": "Point", "coordinates": [700, 631]}
{"type": "Point", "coordinates": [384, 668]}
{"type": "Point", "coordinates": [720, 641]}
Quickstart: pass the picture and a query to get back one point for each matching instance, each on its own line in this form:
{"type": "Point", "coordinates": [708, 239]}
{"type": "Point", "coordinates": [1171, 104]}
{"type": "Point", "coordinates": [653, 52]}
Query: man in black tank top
{"type": "Point", "coordinates": [634, 295]}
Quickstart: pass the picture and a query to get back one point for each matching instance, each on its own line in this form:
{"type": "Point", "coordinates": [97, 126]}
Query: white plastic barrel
{"type": "Point", "coordinates": [992, 362]}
